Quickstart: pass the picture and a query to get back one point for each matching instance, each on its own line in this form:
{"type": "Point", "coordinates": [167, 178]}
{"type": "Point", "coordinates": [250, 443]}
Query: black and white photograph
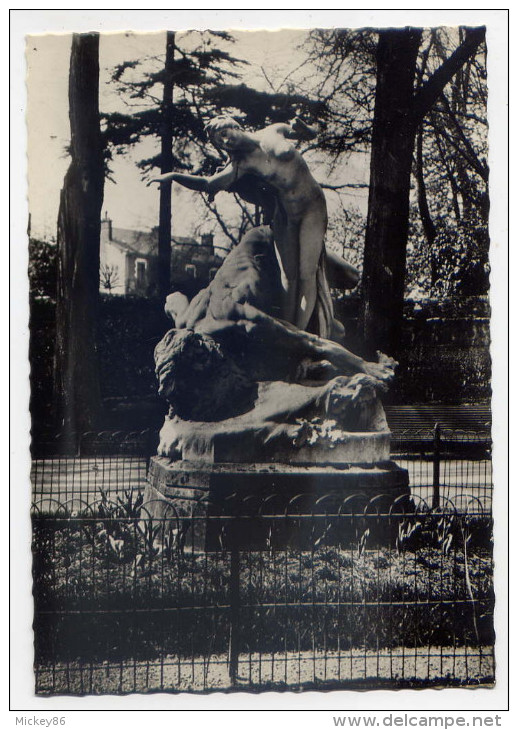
{"type": "Point", "coordinates": [260, 288]}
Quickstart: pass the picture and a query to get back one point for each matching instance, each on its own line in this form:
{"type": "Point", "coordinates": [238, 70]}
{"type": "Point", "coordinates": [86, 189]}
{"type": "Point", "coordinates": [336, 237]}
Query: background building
{"type": "Point", "coordinates": [129, 261]}
{"type": "Point", "coordinates": [193, 263]}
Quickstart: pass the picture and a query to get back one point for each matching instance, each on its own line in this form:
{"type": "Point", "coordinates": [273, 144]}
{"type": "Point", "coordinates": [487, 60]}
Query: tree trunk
{"type": "Point", "coordinates": [397, 114]}
{"type": "Point", "coordinates": [76, 372]}
{"type": "Point", "coordinates": [166, 165]}
{"type": "Point", "coordinates": [393, 136]}
{"type": "Point", "coordinates": [422, 200]}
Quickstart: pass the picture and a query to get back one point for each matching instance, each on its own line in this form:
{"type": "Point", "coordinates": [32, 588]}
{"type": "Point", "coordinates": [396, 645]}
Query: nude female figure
{"type": "Point", "coordinates": [300, 218]}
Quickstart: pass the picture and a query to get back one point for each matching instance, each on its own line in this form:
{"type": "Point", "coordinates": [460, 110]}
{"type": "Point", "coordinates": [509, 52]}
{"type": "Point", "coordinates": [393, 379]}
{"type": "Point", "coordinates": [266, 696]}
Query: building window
{"type": "Point", "coordinates": [190, 270]}
{"type": "Point", "coordinates": [140, 274]}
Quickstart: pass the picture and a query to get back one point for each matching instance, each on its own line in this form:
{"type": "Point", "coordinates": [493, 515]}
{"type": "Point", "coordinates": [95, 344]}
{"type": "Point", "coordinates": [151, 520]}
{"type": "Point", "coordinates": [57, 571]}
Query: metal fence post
{"type": "Point", "coordinates": [436, 499]}
{"type": "Point", "coordinates": [234, 610]}
{"type": "Point", "coordinates": [79, 445]}
{"type": "Point", "coordinates": [149, 449]}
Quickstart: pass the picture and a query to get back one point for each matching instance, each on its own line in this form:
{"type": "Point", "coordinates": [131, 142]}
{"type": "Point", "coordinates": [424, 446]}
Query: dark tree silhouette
{"type": "Point", "coordinates": [166, 164]}
{"type": "Point", "coordinates": [452, 179]}
{"type": "Point", "coordinates": [398, 112]}
{"type": "Point", "coordinates": [174, 117]}
{"type": "Point", "coordinates": [76, 376]}
{"type": "Point", "coordinates": [200, 78]}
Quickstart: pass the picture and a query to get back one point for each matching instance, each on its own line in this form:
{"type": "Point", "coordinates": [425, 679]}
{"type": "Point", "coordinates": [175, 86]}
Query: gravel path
{"type": "Point", "coordinates": [432, 666]}
{"type": "Point", "coordinates": [72, 479]}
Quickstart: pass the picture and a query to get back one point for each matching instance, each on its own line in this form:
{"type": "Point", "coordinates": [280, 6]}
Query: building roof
{"type": "Point", "coordinates": [195, 253]}
{"type": "Point", "coordinates": [143, 243]}
{"type": "Point", "coordinates": [184, 240]}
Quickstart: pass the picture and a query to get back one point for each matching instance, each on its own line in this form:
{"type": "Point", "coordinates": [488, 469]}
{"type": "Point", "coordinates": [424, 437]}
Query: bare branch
{"type": "Point", "coordinates": [326, 186]}
{"type": "Point", "coordinates": [272, 87]}
{"type": "Point", "coordinates": [477, 164]}
{"type": "Point", "coordinates": [474, 163]}
{"type": "Point", "coordinates": [213, 209]}
{"type": "Point", "coordinates": [429, 92]}
{"type": "Point", "coordinates": [244, 209]}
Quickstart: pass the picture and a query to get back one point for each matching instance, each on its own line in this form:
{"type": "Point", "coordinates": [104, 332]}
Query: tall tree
{"type": "Point", "coordinates": [448, 216]}
{"type": "Point", "coordinates": [166, 164]}
{"type": "Point", "coordinates": [345, 85]}
{"type": "Point", "coordinates": [173, 117]}
{"type": "Point", "coordinates": [200, 70]}
{"type": "Point", "coordinates": [76, 375]}
{"type": "Point", "coordinates": [452, 178]}
{"type": "Point", "coordinates": [398, 112]}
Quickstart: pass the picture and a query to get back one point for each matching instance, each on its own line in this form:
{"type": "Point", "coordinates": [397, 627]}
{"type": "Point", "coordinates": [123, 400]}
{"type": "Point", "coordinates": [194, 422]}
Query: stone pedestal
{"type": "Point", "coordinates": [301, 450]}
{"type": "Point", "coordinates": [243, 492]}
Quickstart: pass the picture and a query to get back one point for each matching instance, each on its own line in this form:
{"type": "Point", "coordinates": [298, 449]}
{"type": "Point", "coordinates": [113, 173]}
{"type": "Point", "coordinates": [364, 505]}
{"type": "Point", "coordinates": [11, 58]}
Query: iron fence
{"type": "Point", "coordinates": [314, 594]}
{"type": "Point", "coordinates": [446, 463]}
{"type": "Point", "coordinates": [111, 461]}
{"type": "Point", "coordinates": [442, 463]}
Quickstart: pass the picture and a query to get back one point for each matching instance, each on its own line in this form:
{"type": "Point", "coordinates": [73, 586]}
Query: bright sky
{"type": "Point", "coordinates": [127, 200]}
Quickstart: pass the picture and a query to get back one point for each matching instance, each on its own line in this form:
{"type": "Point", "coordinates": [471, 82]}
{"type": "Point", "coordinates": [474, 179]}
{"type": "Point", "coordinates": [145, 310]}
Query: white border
{"type": "Point", "coordinates": [25, 21]}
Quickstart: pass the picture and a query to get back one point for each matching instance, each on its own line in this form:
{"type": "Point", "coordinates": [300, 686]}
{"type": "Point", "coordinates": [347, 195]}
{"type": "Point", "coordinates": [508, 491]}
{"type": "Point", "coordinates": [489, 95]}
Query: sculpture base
{"type": "Point", "coordinates": [242, 492]}
{"type": "Point", "coordinates": [240, 441]}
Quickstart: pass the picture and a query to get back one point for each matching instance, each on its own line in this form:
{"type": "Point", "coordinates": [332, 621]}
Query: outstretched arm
{"type": "Point", "coordinates": [193, 182]}
{"type": "Point", "coordinates": [220, 181]}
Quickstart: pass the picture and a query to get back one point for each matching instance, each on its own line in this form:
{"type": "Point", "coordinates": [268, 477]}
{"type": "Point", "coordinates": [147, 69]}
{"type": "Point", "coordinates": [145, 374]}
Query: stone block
{"type": "Point", "coordinates": [233, 504]}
